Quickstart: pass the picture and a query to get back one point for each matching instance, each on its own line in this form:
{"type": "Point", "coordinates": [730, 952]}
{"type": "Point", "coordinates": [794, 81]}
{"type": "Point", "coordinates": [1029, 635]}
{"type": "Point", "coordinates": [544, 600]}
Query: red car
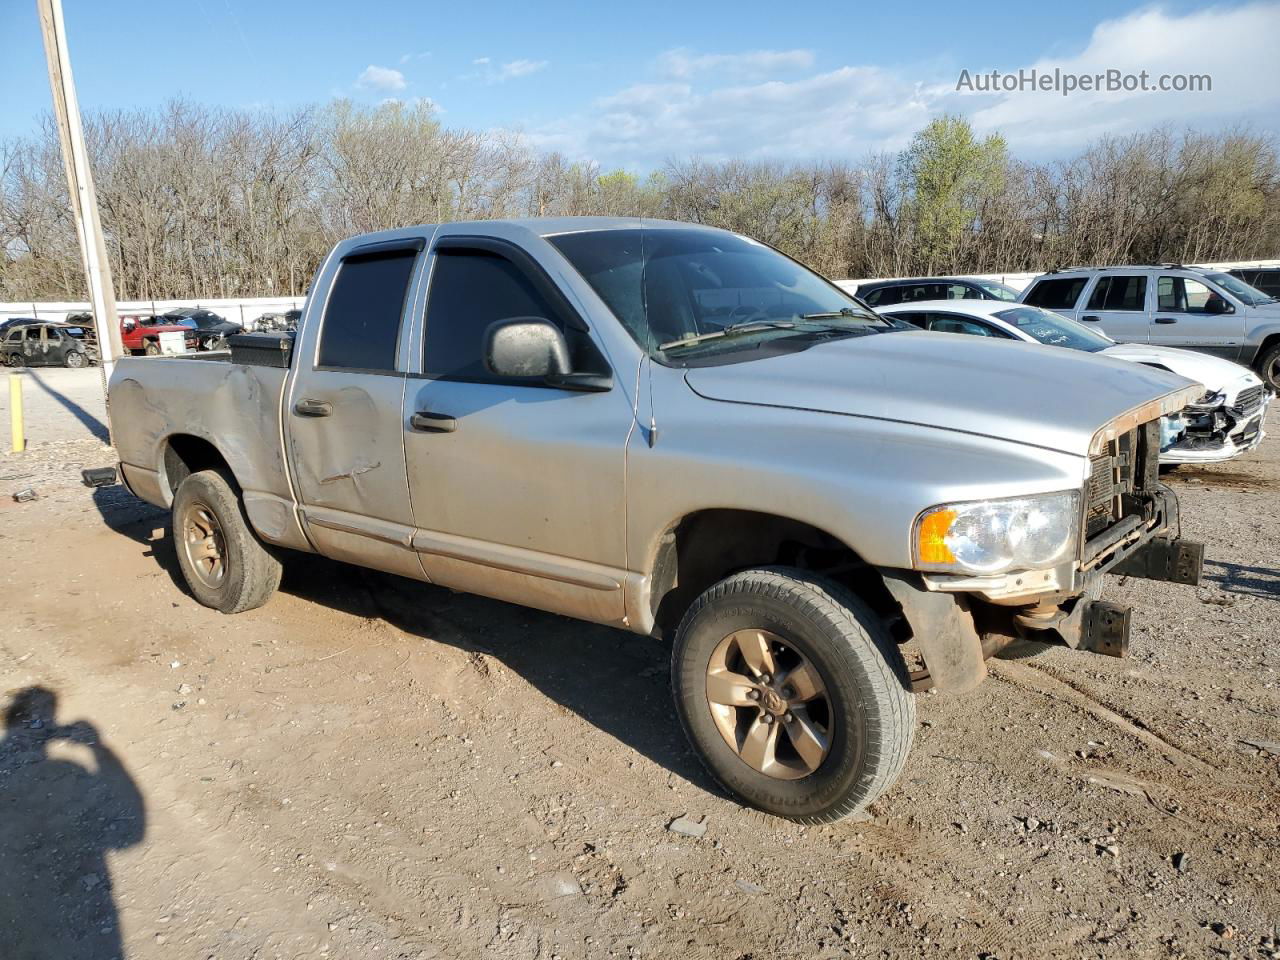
{"type": "Point", "coordinates": [140, 333]}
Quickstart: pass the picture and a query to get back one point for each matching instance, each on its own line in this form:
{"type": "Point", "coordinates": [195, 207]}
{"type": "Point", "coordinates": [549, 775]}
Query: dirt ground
{"type": "Point", "coordinates": [370, 767]}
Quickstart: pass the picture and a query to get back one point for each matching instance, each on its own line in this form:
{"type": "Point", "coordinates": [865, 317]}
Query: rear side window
{"type": "Point", "coordinates": [874, 297]}
{"type": "Point", "coordinates": [1119, 293]}
{"type": "Point", "coordinates": [362, 318]}
{"type": "Point", "coordinates": [1060, 293]}
{"type": "Point", "coordinates": [470, 289]}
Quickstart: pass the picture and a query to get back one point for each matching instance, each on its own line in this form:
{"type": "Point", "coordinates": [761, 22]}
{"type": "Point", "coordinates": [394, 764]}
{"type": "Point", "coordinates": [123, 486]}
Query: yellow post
{"type": "Point", "coordinates": [15, 414]}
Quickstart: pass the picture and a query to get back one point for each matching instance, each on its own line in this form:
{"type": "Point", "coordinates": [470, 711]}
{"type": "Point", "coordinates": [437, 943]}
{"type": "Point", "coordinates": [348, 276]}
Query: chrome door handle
{"type": "Point", "coordinates": [1165, 320]}
{"type": "Point", "coordinates": [313, 408]}
{"type": "Point", "coordinates": [433, 422]}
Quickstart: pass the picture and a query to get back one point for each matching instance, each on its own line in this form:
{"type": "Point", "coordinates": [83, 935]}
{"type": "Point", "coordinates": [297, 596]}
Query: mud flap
{"type": "Point", "coordinates": [942, 627]}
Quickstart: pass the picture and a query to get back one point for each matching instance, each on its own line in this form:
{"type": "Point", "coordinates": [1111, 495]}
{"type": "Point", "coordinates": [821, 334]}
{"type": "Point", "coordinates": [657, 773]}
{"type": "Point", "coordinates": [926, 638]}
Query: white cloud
{"type": "Point", "coordinates": [380, 78]}
{"type": "Point", "coordinates": [410, 57]}
{"type": "Point", "coordinates": [1235, 47]}
{"type": "Point", "coordinates": [771, 104]}
{"type": "Point", "coordinates": [480, 61]}
{"type": "Point", "coordinates": [682, 62]}
{"type": "Point", "coordinates": [519, 68]}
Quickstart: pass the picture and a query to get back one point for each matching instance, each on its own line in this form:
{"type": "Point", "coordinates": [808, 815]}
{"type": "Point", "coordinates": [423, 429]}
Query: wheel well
{"type": "Point", "coordinates": [1267, 343]}
{"type": "Point", "coordinates": [705, 547]}
{"type": "Point", "coordinates": [185, 454]}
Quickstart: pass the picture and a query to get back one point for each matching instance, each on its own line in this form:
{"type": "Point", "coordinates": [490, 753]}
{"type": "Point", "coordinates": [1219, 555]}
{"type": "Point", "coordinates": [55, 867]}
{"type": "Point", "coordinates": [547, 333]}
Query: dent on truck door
{"type": "Point", "coordinates": [517, 487]}
{"type": "Point", "coordinates": [343, 416]}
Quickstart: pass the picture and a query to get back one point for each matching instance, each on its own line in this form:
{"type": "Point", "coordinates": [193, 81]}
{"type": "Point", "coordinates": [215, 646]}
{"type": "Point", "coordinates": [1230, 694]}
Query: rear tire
{"type": "Point", "coordinates": [224, 563]}
{"type": "Point", "coordinates": [852, 738]}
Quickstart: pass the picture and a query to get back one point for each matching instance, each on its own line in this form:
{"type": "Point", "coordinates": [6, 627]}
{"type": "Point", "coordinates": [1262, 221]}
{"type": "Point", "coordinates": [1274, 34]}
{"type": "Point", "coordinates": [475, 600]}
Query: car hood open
{"type": "Point", "coordinates": [1056, 399]}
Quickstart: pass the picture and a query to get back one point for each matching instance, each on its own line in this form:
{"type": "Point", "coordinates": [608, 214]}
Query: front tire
{"type": "Point", "coordinates": [1269, 367]}
{"type": "Point", "coordinates": [75, 359]}
{"type": "Point", "coordinates": [152, 349]}
{"type": "Point", "coordinates": [793, 694]}
{"type": "Point", "coordinates": [224, 563]}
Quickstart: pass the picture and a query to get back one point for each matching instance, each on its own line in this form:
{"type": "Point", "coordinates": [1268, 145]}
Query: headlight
{"type": "Point", "coordinates": [994, 536]}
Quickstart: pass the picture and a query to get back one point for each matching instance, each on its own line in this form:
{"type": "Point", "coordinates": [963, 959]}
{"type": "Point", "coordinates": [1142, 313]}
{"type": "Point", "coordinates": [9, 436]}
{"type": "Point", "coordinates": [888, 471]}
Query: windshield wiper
{"type": "Point", "coordinates": [733, 330]}
{"type": "Point", "coordinates": [832, 314]}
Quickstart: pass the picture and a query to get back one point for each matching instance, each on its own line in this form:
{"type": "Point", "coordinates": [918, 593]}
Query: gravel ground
{"type": "Point", "coordinates": [370, 767]}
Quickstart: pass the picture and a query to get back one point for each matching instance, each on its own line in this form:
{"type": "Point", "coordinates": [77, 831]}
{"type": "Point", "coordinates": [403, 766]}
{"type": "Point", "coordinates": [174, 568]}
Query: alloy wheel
{"type": "Point", "coordinates": [204, 545]}
{"type": "Point", "coordinates": [770, 704]}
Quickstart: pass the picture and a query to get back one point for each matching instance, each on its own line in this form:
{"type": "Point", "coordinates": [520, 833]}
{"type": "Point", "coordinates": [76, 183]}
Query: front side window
{"type": "Point", "coordinates": [1054, 329]}
{"type": "Point", "coordinates": [1185, 295]}
{"type": "Point", "coordinates": [361, 325]}
{"type": "Point", "coordinates": [471, 289]}
{"type": "Point", "coordinates": [1058, 293]}
{"type": "Point", "coordinates": [687, 293]}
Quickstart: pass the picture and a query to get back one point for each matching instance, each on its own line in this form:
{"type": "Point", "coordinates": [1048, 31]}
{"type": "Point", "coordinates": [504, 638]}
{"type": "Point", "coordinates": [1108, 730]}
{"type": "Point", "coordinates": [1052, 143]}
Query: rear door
{"type": "Point", "coordinates": [1118, 304]}
{"type": "Point", "coordinates": [1192, 313]}
{"type": "Point", "coordinates": [342, 412]}
{"type": "Point", "coordinates": [517, 486]}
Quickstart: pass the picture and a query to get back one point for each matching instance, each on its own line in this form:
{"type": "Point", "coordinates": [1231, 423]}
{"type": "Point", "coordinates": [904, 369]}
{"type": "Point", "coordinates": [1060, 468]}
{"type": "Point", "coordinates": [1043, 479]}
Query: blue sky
{"type": "Point", "coordinates": [632, 84]}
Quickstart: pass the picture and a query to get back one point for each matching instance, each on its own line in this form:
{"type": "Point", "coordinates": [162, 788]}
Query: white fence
{"type": "Point", "coordinates": [243, 311]}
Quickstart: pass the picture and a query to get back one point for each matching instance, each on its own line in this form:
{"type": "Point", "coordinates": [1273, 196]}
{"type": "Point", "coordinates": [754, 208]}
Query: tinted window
{"type": "Point", "coordinates": [874, 297]}
{"type": "Point", "coordinates": [1057, 294]}
{"type": "Point", "coordinates": [362, 317]}
{"type": "Point", "coordinates": [470, 289]}
{"type": "Point", "coordinates": [1119, 293]}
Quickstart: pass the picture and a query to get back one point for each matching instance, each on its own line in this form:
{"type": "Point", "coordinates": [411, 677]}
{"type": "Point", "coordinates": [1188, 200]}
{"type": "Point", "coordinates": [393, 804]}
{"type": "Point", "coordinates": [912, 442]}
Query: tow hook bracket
{"type": "Point", "coordinates": [1105, 629]}
{"type": "Point", "coordinates": [1162, 558]}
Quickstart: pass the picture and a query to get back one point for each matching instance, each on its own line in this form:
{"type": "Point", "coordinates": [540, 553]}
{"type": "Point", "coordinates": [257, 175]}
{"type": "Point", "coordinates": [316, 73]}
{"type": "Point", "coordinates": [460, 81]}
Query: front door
{"type": "Point", "coordinates": [517, 486]}
{"type": "Point", "coordinates": [343, 413]}
{"type": "Point", "coordinates": [1192, 314]}
{"type": "Point", "coordinates": [1118, 304]}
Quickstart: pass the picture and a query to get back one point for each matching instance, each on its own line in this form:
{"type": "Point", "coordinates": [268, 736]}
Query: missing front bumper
{"type": "Point", "coordinates": [1164, 558]}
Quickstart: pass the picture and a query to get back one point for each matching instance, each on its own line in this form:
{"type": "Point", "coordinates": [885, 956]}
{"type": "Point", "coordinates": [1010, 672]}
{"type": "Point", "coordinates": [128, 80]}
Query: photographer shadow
{"type": "Point", "coordinates": [58, 819]}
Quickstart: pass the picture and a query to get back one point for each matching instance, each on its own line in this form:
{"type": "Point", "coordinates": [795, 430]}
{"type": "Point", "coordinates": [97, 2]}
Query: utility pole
{"type": "Point", "coordinates": [84, 201]}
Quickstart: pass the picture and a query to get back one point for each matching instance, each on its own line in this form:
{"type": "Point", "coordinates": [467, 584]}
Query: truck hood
{"type": "Point", "coordinates": [1056, 399]}
{"type": "Point", "coordinates": [1217, 375]}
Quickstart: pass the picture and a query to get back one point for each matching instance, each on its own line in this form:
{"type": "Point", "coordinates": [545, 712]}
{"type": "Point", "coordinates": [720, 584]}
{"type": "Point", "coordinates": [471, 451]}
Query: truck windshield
{"type": "Point", "coordinates": [1055, 329]}
{"type": "Point", "coordinates": [1252, 296]}
{"type": "Point", "coordinates": [677, 290]}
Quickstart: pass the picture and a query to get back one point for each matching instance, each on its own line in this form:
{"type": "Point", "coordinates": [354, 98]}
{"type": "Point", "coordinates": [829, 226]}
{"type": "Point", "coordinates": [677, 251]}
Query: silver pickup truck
{"type": "Point", "coordinates": [681, 432]}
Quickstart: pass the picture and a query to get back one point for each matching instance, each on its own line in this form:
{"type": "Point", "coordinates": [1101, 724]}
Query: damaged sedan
{"type": "Point", "coordinates": [1225, 422]}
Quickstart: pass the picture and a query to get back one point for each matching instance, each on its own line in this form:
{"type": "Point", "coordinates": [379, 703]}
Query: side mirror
{"type": "Point", "coordinates": [1218, 305]}
{"type": "Point", "coordinates": [525, 347]}
{"type": "Point", "coordinates": [129, 324]}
